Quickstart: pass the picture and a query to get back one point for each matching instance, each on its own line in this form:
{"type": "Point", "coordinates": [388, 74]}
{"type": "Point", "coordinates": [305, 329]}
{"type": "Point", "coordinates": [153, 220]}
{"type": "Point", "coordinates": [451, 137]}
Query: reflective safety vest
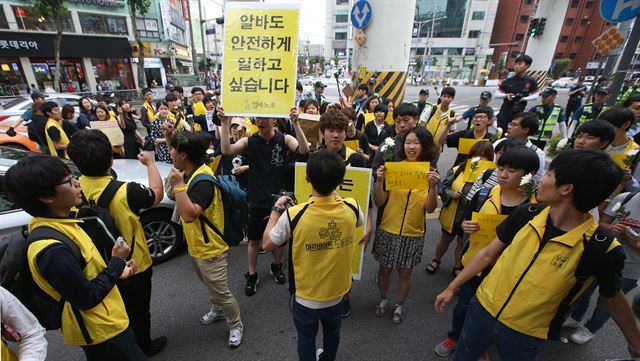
{"type": "Point", "coordinates": [546, 128]}
{"type": "Point", "coordinates": [64, 140]}
{"type": "Point", "coordinates": [588, 113]}
{"type": "Point", "coordinates": [427, 105]}
{"type": "Point", "coordinates": [622, 97]}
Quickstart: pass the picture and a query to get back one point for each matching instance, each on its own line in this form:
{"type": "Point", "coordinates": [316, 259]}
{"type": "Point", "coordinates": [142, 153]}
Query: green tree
{"type": "Point", "coordinates": [450, 61]}
{"type": "Point", "coordinates": [434, 61]}
{"type": "Point", "coordinates": [56, 10]}
{"type": "Point", "coordinates": [336, 59]}
{"type": "Point", "coordinates": [560, 67]}
{"type": "Point", "coordinates": [321, 60]}
{"type": "Point", "coordinates": [139, 7]}
{"type": "Point", "coordinates": [418, 65]}
{"type": "Point", "coordinates": [500, 66]}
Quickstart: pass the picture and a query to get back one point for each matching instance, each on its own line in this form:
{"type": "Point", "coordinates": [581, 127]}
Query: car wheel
{"type": "Point", "coordinates": [164, 237]}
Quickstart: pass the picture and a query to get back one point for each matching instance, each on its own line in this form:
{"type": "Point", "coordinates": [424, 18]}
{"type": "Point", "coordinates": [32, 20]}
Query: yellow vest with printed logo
{"type": "Point", "coordinates": [528, 283]}
{"type": "Point", "coordinates": [105, 320]}
{"type": "Point", "coordinates": [127, 222]}
{"type": "Point", "coordinates": [202, 240]}
{"type": "Point", "coordinates": [322, 247]}
{"type": "Point", "coordinates": [64, 140]}
{"type": "Point", "coordinates": [404, 213]}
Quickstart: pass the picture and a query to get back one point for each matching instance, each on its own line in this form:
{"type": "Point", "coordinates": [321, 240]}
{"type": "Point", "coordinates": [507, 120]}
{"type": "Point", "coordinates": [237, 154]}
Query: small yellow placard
{"type": "Point", "coordinates": [471, 172]}
{"type": "Point", "coordinates": [406, 175]}
{"type": "Point", "coordinates": [353, 144]}
{"type": "Point", "coordinates": [488, 224]}
{"type": "Point", "coordinates": [619, 159]}
{"type": "Point", "coordinates": [466, 143]}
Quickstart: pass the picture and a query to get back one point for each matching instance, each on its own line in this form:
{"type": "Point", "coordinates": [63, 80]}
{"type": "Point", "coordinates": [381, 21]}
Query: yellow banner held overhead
{"type": "Point", "coordinates": [260, 59]}
{"type": "Point", "coordinates": [354, 185]}
{"type": "Point", "coordinates": [466, 143]}
{"type": "Point", "coordinates": [406, 175]}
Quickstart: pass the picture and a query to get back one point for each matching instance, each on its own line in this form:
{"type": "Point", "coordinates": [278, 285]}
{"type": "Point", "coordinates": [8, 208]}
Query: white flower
{"type": "Point", "coordinates": [616, 207]}
{"type": "Point", "coordinates": [562, 143]}
{"type": "Point", "coordinates": [210, 151]}
{"type": "Point", "coordinates": [526, 179]}
{"type": "Point", "coordinates": [388, 143]}
{"type": "Point", "coordinates": [632, 152]}
{"type": "Point", "coordinates": [475, 160]}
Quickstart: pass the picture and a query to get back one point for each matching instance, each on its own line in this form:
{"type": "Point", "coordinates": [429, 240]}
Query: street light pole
{"type": "Point", "coordinates": [194, 54]}
{"type": "Point", "coordinates": [204, 36]}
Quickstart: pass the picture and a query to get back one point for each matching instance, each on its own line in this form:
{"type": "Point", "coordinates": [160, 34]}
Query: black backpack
{"type": "Point", "coordinates": [15, 276]}
{"type": "Point", "coordinates": [99, 224]}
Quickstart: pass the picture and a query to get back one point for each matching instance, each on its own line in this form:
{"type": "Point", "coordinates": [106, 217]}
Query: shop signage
{"type": "Point", "coordinates": [135, 51]}
{"type": "Point", "coordinates": [105, 3]}
{"type": "Point", "coordinates": [40, 69]}
{"type": "Point", "coordinates": [41, 45]}
{"type": "Point", "coordinates": [469, 51]}
{"type": "Point", "coordinates": [182, 52]}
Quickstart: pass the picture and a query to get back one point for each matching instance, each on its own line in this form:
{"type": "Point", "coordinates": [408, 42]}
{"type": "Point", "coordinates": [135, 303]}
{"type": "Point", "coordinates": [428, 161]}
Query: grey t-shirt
{"type": "Point", "coordinates": [632, 263]}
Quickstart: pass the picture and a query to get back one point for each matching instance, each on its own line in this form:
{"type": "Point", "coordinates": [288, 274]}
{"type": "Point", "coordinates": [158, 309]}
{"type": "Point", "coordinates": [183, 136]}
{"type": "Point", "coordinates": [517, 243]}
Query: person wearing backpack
{"type": "Point", "coordinates": [502, 199]}
{"type": "Point", "coordinates": [93, 314]}
{"type": "Point", "coordinates": [547, 256]}
{"type": "Point", "coordinates": [91, 151]}
{"type": "Point", "coordinates": [200, 205]}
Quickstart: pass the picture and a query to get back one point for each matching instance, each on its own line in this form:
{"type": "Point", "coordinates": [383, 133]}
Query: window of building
{"type": "Point", "coordinates": [568, 22]}
{"type": "Point", "coordinates": [589, 5]}
{"type": "Point", "coordinates": [477, 15]}
{"type": "Point", "coordinates": [437, 51]}
{"type": "Point", "coordinates": [454, 51]}
{"type": "Point", "coordinates": [519, 37]}
{"type": "Point", "coordinates": [515, 54]}
{"type": "Point", "coordinates": [342, 18]}
{"type": "Point", "coordinates": [342, 2]}
{"type": "Point", "coordinates": [147, 28]}
{"type": "Point", "coordinates": [341, 36]}
{"type": "Point", "coordinates": [572, 55]}
{"type": "Point", "coordinates": [564, 39]}
{"type": "Point", "coordinates": [575, 3]}
{"type": "Point", "coordinates": [577, 39]}
{"type": "Point", "coordinates": [452, 13]}
{"type": "Point", "coordinates": [4, 24]}
{"type": "Point", "coordinates": [103, 24]}
{"type": "Point", "coordinates": [584, 21]}
{"type": "Point", "coordinates": [28, 21]}
{"type": "Point", "coordinates": [528, 2]}
{"type": "Point", "coordinates": [558, 55]}
{"type": "Point", "coordinates": [420, 51]}
{"type": "Point", "coordinates": [524, 18]}
{"type": "Point", "coordinates": [473, 34]}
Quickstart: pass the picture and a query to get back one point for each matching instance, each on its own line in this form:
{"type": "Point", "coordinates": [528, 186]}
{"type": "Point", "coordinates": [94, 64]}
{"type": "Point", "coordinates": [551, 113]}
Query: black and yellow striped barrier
{"type": "Point", "coordinates": [540, 76]}
{"type": "Point", "coordinates": [389, 84]}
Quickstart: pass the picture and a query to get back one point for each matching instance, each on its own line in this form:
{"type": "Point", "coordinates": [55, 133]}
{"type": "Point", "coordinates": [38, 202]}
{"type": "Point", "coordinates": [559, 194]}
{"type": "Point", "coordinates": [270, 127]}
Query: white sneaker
{"type": "Point", "coordinates": [571, 323]}
{"type": "Point", "coordinates": [581, 336]}
{"type": "Point", "coordinates": [235, 336]}
{"type": "Point", "coordinates": [211, 317]}
{"type": "Point", "coordinates": [318, 353]}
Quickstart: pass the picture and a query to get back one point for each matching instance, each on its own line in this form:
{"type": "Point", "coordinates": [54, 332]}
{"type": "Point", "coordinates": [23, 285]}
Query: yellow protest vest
{"type": "Point", "coordinates": [105, 320]}
{"type": "Point", "coordinates": [526, 286]}
{"type": "Point", "coordinates": [438, 123]}
{"type": "Point", "coordinates": [151, 114]}
{"type": "Point", "coordinates": [404, 213]}
{"type": "Point", "coordinates": [368, 117]}
{"type": "Point", "coordinates": [448, 212]}
{"type": "Point", "coordinates": [5, 352]}
{"type": "Point", "coordinates": [64, 140]}
{"type": "Point", "coordinates": [127, 222]}
{"type": "Point", "coordinates": [322, 247]}
{"type": "Point", "coordinates": [203, 242]}
{"type": "Point", "coordinates": [389, 119]}
{"type": "Point", "coordinates": [199, 108]}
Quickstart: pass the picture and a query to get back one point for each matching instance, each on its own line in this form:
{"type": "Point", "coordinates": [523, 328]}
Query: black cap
{"type": "Point", "coordinates": [169, 87]}
{"type": "Point", "coordinates": [319, 84]}
{"type": "Point", "coordinates": [485, 95]}
{"type": "Point", "coordinates": [604, 90]}
{"type": "Point", "coordinates": [424, 91]}
{"type": "Point", "coordinates": [549, 91]}
{"type": "Point", "coordinates": [372, 80]}
{"type": "Point", "coordinates": [602, 78]}
{"type": "Point", "coordinates": [36, 94]}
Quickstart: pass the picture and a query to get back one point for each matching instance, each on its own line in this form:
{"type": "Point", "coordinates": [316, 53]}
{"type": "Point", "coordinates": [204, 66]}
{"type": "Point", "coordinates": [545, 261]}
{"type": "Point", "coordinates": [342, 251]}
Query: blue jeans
{"type": "Point", "coordinates": [307, 321]}
{"type": "Point", "coordinates": [465, 294]}
{"type": "Point", "coordinates": [481, 330]}
{"type": "Point", "coordinates": [600, 315]}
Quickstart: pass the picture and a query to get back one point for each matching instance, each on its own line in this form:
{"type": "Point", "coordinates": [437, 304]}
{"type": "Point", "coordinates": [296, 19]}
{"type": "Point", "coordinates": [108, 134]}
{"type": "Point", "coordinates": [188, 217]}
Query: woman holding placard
{"type": "Point", "coordinates": [399, 240]}
{"type": "Point", "coordinates": [455, 186]}
{"type": "Point", "coordinates": [487, 209]}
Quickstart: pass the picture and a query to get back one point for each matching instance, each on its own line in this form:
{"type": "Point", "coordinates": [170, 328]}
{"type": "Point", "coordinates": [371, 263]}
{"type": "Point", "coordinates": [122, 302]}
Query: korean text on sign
{"type": "Point", "coordinates": [406, 175]}
{"type": "Point", "coordinates": [260, 57]}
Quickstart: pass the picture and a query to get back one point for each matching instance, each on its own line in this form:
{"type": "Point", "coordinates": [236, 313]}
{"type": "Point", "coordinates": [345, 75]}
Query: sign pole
{"type": "Point", "coordinates": [625, 61]}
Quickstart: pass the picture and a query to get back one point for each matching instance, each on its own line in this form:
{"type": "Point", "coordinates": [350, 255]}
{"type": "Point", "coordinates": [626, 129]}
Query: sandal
{"type": "Point", "coordinates": [433, 266]}
{"type": "Point", "coordinates": [397, 315]}
{"type": "Point", "coordinates": [457, 270]}
{"type": "Point", "coordinates": [381, 308]}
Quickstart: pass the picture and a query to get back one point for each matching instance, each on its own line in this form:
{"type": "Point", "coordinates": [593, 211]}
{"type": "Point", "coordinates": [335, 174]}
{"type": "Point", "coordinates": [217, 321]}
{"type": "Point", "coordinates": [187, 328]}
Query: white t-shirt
{"type": "Point", "coordinates": [632, 262]}
{"type": "Point", "coordinates": [539, 152]}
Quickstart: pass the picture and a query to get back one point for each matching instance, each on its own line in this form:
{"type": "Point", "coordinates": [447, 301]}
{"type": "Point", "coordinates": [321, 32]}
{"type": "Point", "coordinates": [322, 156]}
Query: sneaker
{"type": "Point", "coordinates": [235, 336]}
{"type": "Point", "coordinates": [445, 348]}
{"type": "Point", "coordinates": [252, 284]}
{"type": "Point", "coordinates": [581, 336]}
{"type": "Point", "coordinates": [381, 308]}
{"type": "Point", "coordinates": [346, 308]}
{"type": "Point", "coordinates": [211, 317]}
{"type": "Point", "coordinates": [318, 353]}
{"type": "Point", "coordinates": [397, 315]}
{"type": "Point", "coordinates": [484, 357]}
{"type": "Point", "coordinates": [276, 272]}
{"type": "Point", "coordinates": [570, 322]}
{"type": "Point", "coordinates": [156, 345]}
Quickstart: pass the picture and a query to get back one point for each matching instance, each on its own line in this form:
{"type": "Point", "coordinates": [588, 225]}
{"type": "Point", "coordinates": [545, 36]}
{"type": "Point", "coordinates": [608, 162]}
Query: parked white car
{"type": "Point", "coordinates": [164, 237]}
{"type": "Point", "coordinates": [563, 82]}
{"type": "Point", "coordinates": [11, 111]}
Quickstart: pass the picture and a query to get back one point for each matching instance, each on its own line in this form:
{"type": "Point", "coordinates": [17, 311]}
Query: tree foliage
{"type": "Point", "coordinates": [139, 7]}
{"type": "Point", "coordinates": [58, 12]}
{"type": "Point", "coordinates": [560, 67]}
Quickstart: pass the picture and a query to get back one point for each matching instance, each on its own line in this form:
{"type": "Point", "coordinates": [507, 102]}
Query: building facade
{"type": "Point", "coordinates": [339, 32]}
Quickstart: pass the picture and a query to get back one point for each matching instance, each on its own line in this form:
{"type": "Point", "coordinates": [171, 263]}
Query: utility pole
{"type": "Point", "coordinates": [194, 54]}
{"type": "Point", "coordinates": [625, 61]}
{"type": "Point", "coordinates": [203, 33]}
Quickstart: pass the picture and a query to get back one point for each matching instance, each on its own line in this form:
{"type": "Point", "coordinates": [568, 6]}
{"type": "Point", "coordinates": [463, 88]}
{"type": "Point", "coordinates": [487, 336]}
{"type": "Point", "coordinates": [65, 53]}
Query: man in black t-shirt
{"type": "Point", "coordinates": [576, 93]}
{"type": "Point", "coordinates": [516, 91]}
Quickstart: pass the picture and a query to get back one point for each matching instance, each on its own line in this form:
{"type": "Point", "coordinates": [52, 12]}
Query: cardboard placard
{"type": "Point", "coordinates": [310, 124]}
{"type": "Point", "coordinates": [111, 129]}
{"type": "Point", "coordinates": [406, 175]}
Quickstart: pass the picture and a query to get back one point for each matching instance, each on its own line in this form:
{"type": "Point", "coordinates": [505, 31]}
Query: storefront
{"type": "Point", "coordinates": [12, 78]}
{"type": "Point", "coordinates": [115, 73]}
{"type": "Point", "coordinates": [71, 74]}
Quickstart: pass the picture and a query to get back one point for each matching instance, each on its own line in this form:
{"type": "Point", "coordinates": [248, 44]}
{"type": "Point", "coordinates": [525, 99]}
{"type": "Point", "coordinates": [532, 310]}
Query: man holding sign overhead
{"type": "Point", "coordinates": [465, 139]}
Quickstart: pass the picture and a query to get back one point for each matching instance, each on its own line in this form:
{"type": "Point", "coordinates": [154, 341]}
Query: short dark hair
{"type": "Point", "coordinates": [448, 90]}
{"type": "Point", "coordinates": [208, 99]}
{"type": "Point", "coordinates": [363, 87]}
{"type": "Point", "coordinates": [90, 150]}
{"type": "Point", "coordinates": [145, 91]}
{"type": "Point", "coordinates": [333, 119]}
{"type": "Point", "coordinates": [196, 89]}
{"type": "Point", "coordinates": [405, 109]}
{"type": "Point", "coordinates": [485, 110]}
{"type": "Point", "coordinates": [46, 107]}
{"type": "Point", "coordinates": [507, 144]}
{"type": "Point", "coordinates": [195, 148]}
{"type": "Point", "coordinates": [520, 157]}
{"type": "Point", "coordinates": [178, 89]}
{"type": "Point", "coordinates": [299, 86]}
{"type": "Point", "coordinates": [309, 102]}
{"type": "Point", "coordinates": [325, 171]}
{"type": "Point", "coordinates": [528, 120]}
{"type": "Point", "coordinates": [631, 100]}
{"type": "Point", "coordinates": [429, 149]}
{"type": "Point", "coordinates": [350, 113]}
{"type": "Point", "coordinates": [67, 111]}
{"type": "Point", "coordinates": [32, 178]}
{"type": "Point", "coordinates": [170, 98]}
{"type": "Point", "coordinates": [617, 116]}
{"type": "Point", "coordinates": [381, 108]}
{"type": "Point", "coordinates": [598, 128]}
{"type": "Point", "coordinates": [161, 102]}
{"type": "Point", "coordinates": [524, 57]}
{"type": "Point", "coordinates": [593, 174]}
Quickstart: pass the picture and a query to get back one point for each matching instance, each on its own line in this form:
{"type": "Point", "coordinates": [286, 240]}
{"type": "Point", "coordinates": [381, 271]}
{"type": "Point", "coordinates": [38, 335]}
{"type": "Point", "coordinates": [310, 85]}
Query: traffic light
{"type": "Point", "coordinates": [541, 23]}
{"type": "Point", "coordinates": [533, 27]}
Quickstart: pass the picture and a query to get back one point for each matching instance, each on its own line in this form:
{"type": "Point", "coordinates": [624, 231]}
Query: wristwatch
{"type": "Point", "coordinates": [277, 209]}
